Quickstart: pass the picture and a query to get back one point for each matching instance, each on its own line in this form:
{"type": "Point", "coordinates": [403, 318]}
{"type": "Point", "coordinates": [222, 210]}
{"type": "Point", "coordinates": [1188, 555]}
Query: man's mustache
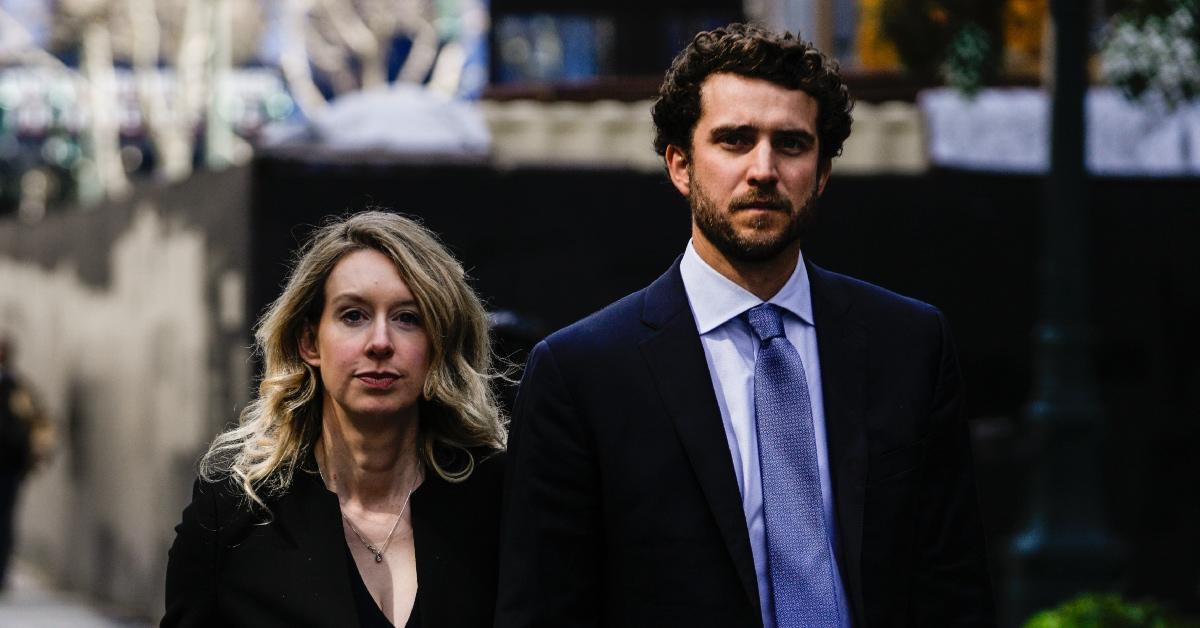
{"type": "Point", "coordinates": [761, 201]}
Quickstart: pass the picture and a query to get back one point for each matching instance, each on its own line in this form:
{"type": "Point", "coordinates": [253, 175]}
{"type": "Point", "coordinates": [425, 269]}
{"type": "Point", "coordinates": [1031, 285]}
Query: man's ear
{"type": "Point", "coordinates": [677, 167]}
{"type": "Point", "coordinates": [308, 347]}
{"type": "Point", "coordinates": [823, 169]}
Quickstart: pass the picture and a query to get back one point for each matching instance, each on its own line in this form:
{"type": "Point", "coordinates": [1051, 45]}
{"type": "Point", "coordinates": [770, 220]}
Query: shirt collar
{"type": "Point", "coordinates": [715, 300]}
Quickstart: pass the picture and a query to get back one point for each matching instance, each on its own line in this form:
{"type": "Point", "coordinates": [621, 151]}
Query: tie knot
{"type": "Point", "coordinates": [766, 321]}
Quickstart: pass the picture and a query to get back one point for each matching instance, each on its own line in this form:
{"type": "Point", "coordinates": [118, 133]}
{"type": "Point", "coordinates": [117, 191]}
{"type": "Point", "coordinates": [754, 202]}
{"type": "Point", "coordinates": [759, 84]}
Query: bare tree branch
{"type": "Point", "coordinates": [20, 47]}
{"type": "Point", "coordinates": [294, 58]}
{"type": "Point", "coordinates": [103, 132]}
{"type": "Point", "coordinates": [220, 140]}
{"type": "Point", "coordinates": [358, 38]}
{"type": "Point", "coordinates": [413, 22]}
{"type": "Point", "coordinates": [330, 58]}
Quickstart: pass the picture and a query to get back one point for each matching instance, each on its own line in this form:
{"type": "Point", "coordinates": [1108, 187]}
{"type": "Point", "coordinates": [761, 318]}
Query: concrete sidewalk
{"type": "Point", "coordinates": [28, 602]}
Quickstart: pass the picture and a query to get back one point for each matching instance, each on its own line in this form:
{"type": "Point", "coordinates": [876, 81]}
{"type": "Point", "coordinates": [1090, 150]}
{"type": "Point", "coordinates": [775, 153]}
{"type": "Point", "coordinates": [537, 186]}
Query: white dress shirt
{"type": "Point", "coordinates": [730, 347]}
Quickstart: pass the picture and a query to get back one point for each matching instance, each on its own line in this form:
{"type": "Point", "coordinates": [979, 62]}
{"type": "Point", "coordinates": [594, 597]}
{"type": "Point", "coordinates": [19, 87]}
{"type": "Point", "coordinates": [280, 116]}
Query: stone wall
{"type": "Point", "coordinates": [130, 322]}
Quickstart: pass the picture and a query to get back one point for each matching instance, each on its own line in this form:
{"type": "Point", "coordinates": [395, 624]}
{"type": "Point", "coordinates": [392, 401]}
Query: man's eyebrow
{"type": "Point", "coordinates": [795, 134]}
{"type": "Point", "coordinates": [737, 129]}
{"type": "Point", "coordinates": [732, 128]}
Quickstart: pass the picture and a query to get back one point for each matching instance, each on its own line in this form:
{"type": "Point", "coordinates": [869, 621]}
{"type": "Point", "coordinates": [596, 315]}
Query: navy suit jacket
{"type": "Point", "coordinates": [622, 507]}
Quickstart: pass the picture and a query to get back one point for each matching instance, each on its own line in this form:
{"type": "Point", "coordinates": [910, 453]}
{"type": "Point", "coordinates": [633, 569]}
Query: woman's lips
{"type": "Point", "coordinates": [377, 380]}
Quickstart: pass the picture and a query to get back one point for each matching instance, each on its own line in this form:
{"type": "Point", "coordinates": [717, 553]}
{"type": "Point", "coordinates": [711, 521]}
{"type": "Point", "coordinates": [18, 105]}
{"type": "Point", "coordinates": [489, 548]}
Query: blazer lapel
{"type": "Point", "coordinates": [676, 359]}
{"type": "Point", "coordinates": [841, 344]}
{"type": "Point", "coordinates": [308, 516]}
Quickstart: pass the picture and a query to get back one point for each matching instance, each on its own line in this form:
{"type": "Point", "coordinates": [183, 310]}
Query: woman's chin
{"type": "Point", "coordinates": [381, 414]}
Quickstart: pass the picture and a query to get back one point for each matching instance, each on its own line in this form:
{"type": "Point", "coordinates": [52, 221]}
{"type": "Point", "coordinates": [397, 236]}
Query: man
{"type": "Point", "coordinates": [750, 440]}
{"type": "Point", "coordinates": [26, 439]}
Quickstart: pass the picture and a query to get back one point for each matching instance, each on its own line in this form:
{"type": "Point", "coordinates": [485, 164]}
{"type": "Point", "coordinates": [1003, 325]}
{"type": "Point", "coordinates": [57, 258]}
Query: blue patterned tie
{"type": "Point", "coordinates": [802, 581]}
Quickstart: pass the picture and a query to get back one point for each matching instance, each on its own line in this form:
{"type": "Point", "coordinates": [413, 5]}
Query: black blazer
{"type": "Point", "coordinates": [229, 568]}
{"type": "Point", "coordinates": [622, 507]}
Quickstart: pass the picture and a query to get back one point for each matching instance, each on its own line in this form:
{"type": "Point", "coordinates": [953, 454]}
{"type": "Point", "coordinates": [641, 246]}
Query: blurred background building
{"type": "Point", "coordinates": [160, 159]}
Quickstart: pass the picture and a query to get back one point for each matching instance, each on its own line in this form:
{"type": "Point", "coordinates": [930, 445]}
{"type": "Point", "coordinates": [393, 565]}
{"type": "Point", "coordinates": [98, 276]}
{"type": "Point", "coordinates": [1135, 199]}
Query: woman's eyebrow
{"type": "Point", "coordinates": [354, 296]}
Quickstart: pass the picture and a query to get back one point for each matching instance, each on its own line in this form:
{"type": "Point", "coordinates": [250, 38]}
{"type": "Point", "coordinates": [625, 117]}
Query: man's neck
{"type": "Point", "coordinates": [764, 279]}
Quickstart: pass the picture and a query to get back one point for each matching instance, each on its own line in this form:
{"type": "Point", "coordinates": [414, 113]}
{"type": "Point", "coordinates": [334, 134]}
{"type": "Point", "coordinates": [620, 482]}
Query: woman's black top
{"type": "Point", "coordinates": [369, 613]}
{"type": "Point", "coordinates": [233, 565]}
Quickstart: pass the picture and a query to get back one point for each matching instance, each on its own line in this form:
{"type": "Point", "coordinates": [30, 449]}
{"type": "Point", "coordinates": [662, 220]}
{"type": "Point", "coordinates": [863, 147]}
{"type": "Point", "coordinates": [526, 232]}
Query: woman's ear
{"type": "Point", "coordinates": [308, 347]}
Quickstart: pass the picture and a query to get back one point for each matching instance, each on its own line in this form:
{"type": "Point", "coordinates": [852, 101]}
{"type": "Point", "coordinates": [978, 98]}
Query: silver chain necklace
{"type": "Point", "coordinates": [371, 547]}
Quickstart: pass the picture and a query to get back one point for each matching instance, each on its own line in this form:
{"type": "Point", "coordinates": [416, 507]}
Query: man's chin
{"type": "Point", "coordinates": [761, 217]}
{"type": "Point", "coordinates": [760, 224]}
{"type": "Point", "coordinates": [754, 250]}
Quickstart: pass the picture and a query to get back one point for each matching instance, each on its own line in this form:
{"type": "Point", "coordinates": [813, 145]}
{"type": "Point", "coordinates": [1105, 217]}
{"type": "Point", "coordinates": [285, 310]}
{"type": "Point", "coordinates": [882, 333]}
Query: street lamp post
{"type": "Point", "coordinates": [1066, 547]}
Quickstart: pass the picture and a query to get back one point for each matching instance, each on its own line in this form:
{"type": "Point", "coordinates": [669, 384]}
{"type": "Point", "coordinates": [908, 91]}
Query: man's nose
{"type": "Point", "coordinates": [763, 165]}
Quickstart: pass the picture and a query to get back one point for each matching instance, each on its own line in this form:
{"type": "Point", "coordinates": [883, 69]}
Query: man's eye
{"type": "Point", "coordinates": [792, 144]}
{"type": "Point", "coordinates": [733, 141]}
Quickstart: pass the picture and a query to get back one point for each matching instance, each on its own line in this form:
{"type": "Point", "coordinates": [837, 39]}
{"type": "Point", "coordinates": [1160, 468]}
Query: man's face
{"type": "Point", "coordinates": [753, 174]}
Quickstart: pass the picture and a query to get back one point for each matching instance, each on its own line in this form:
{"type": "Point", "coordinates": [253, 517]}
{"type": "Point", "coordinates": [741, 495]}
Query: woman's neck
{"type": "Point", "coordinates": [372, 465]}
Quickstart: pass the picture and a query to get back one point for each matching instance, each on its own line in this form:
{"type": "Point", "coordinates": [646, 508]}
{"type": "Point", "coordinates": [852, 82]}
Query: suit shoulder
{"type": "Point", "coordinates": [220, 506]}
{"type": "Point", "coordinates": [617, 320]}
{"type": "Point", "coordinates": [877, 301]}
{"type": "Point", "coordinates": [217, 496]}
{"type": "Point", "coordinates": [216, 512]}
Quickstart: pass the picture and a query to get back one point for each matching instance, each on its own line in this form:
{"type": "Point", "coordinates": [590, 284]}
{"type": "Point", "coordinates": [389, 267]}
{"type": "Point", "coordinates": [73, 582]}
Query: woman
{"type": "Point", "coordinates": [362, 486]}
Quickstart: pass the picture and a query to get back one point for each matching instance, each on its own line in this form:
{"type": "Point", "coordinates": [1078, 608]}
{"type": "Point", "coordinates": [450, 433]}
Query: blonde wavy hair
{"type": "Point", "coordinates": [458, 411]}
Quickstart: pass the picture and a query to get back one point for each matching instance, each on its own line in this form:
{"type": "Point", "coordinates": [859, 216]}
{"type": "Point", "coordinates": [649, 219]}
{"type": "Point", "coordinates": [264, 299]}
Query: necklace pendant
{"type": "Point", "coordinates": [379, 557]}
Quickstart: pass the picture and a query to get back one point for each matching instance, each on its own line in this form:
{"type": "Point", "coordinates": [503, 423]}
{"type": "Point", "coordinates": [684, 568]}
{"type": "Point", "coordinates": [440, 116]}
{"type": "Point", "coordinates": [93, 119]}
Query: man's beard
{"type": "Point", "coordinates": [717, 226]}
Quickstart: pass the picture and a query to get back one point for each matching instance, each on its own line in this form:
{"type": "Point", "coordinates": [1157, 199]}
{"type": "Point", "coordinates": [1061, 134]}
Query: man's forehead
{"type": "Point", "coordinates": [717, 80]}
{"type": "Point", "coordinates": [732, 100]}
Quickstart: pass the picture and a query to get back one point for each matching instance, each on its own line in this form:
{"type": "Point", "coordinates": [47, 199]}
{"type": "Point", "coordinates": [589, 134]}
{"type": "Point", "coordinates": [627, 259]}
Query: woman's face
{"type": "Point", "coordinates": [370, 343]}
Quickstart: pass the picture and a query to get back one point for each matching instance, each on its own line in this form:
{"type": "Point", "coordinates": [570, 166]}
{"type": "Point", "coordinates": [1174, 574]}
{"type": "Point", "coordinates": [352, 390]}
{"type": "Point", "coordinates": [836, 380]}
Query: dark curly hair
{"type": "Point", "coordinates": [750, 51]}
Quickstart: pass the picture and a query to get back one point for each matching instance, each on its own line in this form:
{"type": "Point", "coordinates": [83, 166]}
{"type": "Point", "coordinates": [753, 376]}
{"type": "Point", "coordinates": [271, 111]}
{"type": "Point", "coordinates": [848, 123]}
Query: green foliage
{"type": "Point", "coordinates": [967, 59]}
{"type": "Point", "coordinates": [1154, 48]}
{"type": "Point", "coordinates": [960, 41]}
{"type": "Point", "coordinates": [1106, 610]}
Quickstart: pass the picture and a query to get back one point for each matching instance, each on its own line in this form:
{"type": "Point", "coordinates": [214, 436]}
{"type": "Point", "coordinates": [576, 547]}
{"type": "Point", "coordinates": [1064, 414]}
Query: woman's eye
{"type": "Point", "coordinates": [352, 317]}
{"type": "Point", "coordinates": [408, 318]}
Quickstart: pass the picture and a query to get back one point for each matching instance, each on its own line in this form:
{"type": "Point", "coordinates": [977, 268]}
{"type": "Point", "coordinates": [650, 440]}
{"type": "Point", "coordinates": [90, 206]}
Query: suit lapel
{"type": "Point", "coordinates": [676, 359]}
{"type": "Point", "coordinates": [841, 345]}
